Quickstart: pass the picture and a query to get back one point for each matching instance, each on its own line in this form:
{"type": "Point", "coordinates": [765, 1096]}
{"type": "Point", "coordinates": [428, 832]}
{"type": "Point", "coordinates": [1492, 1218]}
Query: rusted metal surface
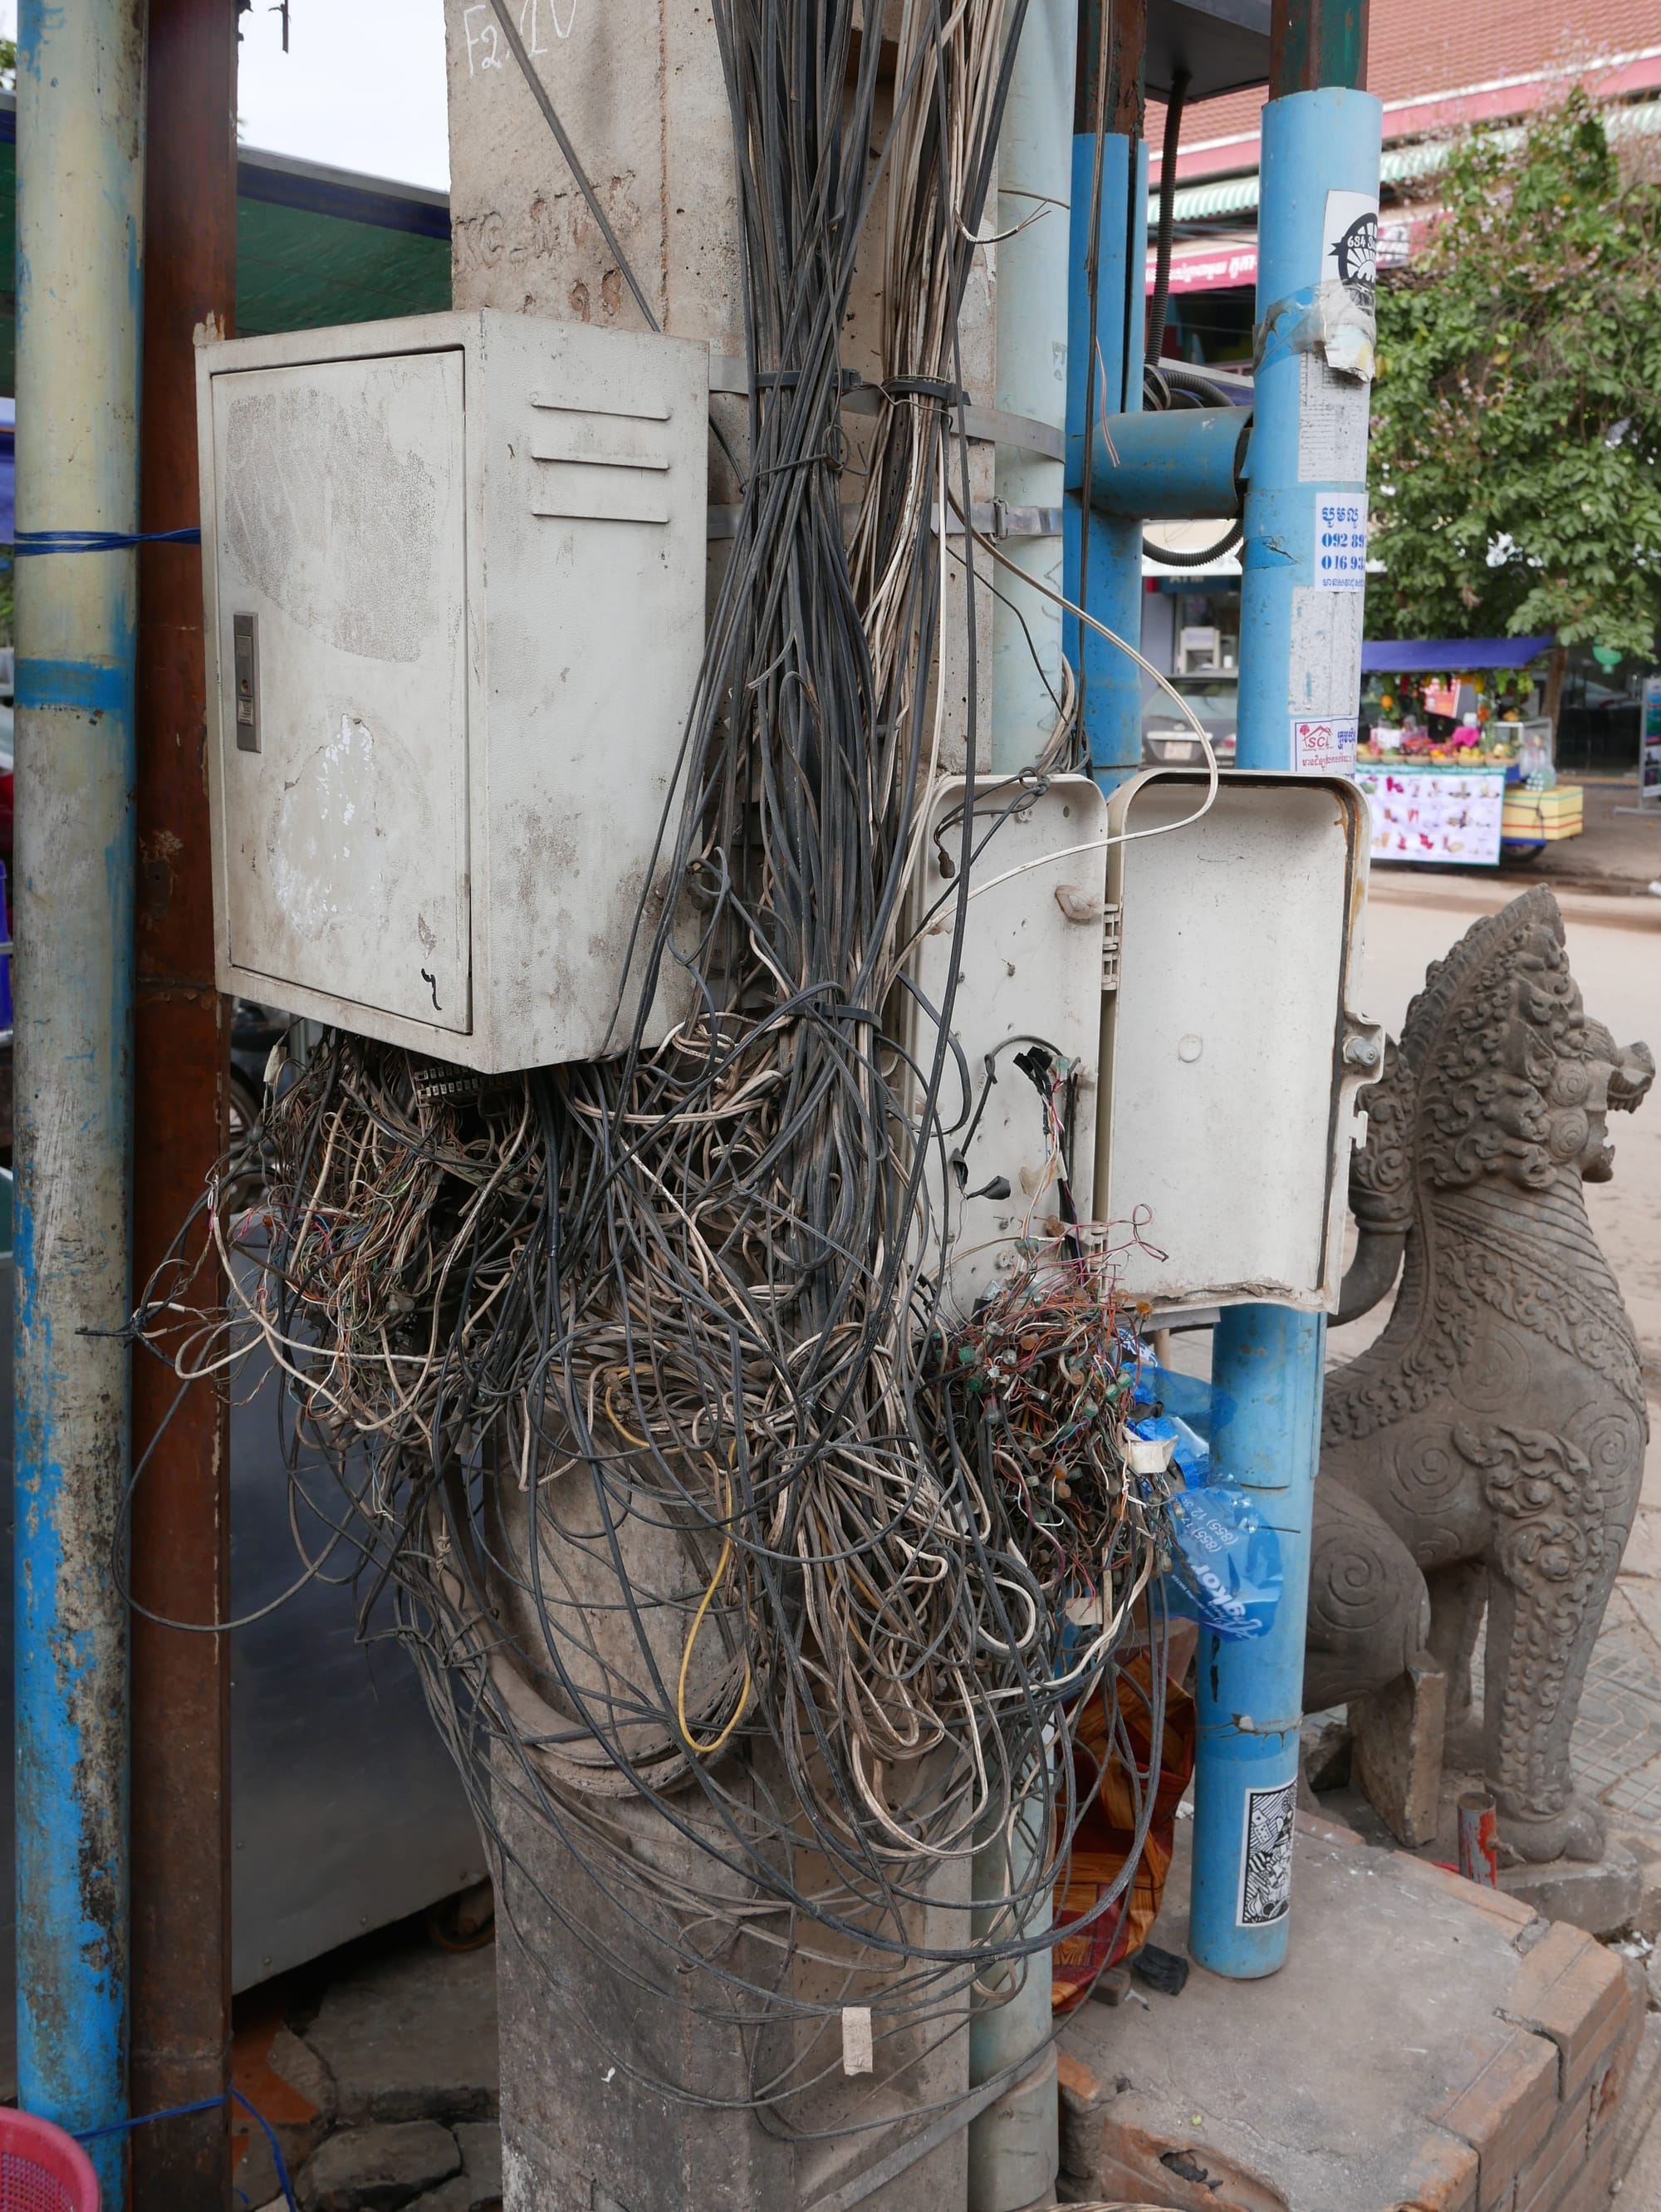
{"type": "Point", "coordinates": [1314, 43]}
{"type": "Point", "coordinates": [181, 1908]}
{"type": "Point", "coordinates": [1113, 35]}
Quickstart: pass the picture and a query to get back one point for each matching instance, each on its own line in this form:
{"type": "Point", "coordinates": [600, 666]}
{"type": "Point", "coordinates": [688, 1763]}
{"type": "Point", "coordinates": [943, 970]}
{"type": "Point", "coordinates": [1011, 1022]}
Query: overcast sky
{"type": "Point", "coordinates": [361, 85]}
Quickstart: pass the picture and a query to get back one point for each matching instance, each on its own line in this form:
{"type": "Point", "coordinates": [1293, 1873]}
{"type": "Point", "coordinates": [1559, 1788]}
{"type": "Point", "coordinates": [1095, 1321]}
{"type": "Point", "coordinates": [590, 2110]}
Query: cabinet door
{"type": "Point", "coordinates": [342, 770]}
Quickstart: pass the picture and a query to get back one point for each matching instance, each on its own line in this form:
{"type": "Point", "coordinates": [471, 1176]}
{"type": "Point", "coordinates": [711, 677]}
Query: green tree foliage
{"type": "Point", "coordinates": [1516, 457]}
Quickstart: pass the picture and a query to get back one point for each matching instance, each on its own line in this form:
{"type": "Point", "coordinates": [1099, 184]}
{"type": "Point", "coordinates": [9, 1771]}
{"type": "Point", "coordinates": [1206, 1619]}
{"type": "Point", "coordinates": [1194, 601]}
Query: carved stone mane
{"type": "Point", "coordinates": [1494, 1434]}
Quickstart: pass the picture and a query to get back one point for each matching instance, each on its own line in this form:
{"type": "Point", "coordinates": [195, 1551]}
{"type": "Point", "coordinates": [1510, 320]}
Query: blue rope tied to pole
{"type": "Point", "coordinates": [98, 541]}
{"type": "Point", "coordinates": [205, 2105]}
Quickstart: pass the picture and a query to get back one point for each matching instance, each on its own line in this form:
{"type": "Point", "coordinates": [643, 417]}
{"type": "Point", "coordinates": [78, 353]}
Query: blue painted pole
{"type": "Point", "coordinates": [1266, 1361]}
{"type": "Point", "coordinates": [1169, 467]}
{"type": "Point", "coordinates": [1300, 615]}
{"type": "Point", "coordinates": [1102, 553]}
{"type": "Point", "coordinates": [80, 201]}
{"type": "Point", "coordinates": [1299, 688]}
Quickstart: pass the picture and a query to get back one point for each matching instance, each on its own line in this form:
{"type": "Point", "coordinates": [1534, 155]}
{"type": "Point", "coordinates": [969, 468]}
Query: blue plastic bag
{"type": "Point", "coordinates": [1225, 1563]}
{"type": "Point", "coordinates": [1225, 1570]}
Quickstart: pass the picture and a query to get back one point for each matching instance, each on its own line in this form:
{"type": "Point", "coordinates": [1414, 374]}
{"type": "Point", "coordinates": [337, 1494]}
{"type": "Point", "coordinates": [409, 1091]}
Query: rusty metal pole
{"type": "Point", "coordinates": [181, 1890]}
{"type": "Point", "coordinates": [1315, 44]}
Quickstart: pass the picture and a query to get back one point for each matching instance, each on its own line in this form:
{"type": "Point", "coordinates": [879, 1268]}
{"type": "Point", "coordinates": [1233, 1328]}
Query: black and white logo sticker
{"type": "Point", "coordinates": [1266, 1872]}
{"type": "Point", "coordinates": [1350, 245]}
{"type": "Point", "coordinates": [1357, 256]}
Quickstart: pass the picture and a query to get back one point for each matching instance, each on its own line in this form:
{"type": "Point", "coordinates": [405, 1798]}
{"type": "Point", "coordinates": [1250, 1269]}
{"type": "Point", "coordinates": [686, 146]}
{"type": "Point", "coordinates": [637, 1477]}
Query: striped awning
{"type": "Point", "coordinates": [1238, 195]}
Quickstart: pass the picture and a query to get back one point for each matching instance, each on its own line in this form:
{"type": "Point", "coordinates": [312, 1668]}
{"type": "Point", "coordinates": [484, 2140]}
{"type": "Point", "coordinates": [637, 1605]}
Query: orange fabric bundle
{"type": "Point", "coordinates": [1106, 1834]}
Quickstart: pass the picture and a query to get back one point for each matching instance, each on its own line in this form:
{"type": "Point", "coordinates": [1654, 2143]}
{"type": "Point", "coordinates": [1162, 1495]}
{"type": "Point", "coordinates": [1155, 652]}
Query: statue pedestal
{"type": "Point", "coordinates": [1605, 1896]}
{"type": "Point", "coordinates": [1427, 2043]}
{"type": "Point", "coordinates": [1602, 1897]}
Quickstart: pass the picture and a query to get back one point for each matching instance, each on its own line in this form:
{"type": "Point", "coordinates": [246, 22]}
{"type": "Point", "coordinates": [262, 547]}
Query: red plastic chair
{"type": "Point", "coordinates": [42, 2169]}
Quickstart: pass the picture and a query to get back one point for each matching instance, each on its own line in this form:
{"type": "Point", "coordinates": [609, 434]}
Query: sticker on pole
{"type": "Point", "coordinates": [1340, 541]}
{"type": "Point", "coordinates": [1324, 746]}
{"type": "Point", "coordinates": [1332, 411]}
{"type": "Point", "coordinates": [1348, 287]}
{"type": "Point", "coordinates": [1266, 1858]}
{"type": "Point", "coordinates": [1349, 244]}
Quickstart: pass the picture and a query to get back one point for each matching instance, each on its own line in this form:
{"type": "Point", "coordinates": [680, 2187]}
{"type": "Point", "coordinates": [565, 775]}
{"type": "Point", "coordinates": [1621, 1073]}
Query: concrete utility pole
{"type": "Point", "coordinates": [1300, 673]}
{"type": "Point", "coordinates": [639, 87]}
{"type": "Point", "coordinates": [80, 275]}
{"type": "Point", "coordinates": [181, 1843]}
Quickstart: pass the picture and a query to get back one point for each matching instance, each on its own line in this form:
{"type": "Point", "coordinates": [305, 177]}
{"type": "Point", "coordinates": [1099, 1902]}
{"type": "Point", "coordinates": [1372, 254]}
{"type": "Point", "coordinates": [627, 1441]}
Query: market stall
{"type": "Point", "coordinates": [1455, 769]}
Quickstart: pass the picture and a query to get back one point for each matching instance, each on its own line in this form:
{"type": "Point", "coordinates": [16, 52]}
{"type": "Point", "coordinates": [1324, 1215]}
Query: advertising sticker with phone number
{"type": "Point", "coordinates": [1340, 542]}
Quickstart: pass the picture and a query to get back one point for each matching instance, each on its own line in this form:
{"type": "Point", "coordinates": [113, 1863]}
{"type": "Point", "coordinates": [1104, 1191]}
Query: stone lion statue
{"type": "Point", "coordinates": [1488, 1449]}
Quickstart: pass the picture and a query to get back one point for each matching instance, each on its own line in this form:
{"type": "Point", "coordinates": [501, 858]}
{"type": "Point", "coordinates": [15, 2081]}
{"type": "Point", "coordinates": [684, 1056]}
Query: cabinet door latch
{"type": "Point", "coordinates": [1110, 931]}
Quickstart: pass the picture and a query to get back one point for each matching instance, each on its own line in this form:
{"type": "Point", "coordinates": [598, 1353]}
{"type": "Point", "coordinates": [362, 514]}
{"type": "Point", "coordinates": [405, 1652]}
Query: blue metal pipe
{"type": "Point", "coordinates": [1266, 1362]}
{"type": "Point", "coordinates": [1299, 688]}
{"type": "Point", "coordinates": [1300, 628]}
{"type": "Point", "coordinates": [80, 202]}
{"type": "Point", "coordinates": [1169, 467]}
{"type": "Point", "coordinates": [1102, 563]}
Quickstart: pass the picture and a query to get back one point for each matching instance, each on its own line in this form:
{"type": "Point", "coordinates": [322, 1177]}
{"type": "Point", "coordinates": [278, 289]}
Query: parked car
{"type": "Point", "coordinates": [1168, 741]}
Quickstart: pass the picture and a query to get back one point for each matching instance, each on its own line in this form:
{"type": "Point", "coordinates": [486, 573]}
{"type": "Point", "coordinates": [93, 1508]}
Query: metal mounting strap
{"type": "Point", "coordinates": [988, 426]}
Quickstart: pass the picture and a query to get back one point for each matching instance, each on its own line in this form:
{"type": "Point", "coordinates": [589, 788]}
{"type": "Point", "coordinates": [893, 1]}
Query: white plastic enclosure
{"type": "Point", "coordinates": [454, 570]}
{"type": "Point", "coordinates": [1029, 973]}
{"type": "Point", "coordinates": [1231, 1057]}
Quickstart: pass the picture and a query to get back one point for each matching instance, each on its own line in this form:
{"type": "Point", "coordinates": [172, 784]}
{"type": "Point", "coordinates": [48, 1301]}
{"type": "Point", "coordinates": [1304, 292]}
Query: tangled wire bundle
{"type": "Point", "coordinates": [1036, 1390]}
{"type": "Point", "coordinates": [637, 1375]}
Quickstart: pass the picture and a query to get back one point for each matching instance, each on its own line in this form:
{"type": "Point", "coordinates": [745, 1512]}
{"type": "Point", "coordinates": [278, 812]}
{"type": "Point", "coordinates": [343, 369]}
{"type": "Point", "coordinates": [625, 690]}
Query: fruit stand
{"type": "Point", "coordinates": [1453, 773]}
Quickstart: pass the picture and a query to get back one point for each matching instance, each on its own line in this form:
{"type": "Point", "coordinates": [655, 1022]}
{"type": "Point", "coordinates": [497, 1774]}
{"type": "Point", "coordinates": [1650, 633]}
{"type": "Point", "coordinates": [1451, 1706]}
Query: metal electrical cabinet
{"type": "Point", "coordinates": [1029, 979]}
{"type": "Point", "coordinates": [1231, 1053]}
{"type": "Point", "coordinates": [1188, 978]}
{"type": "Point", "coordinates": [454, 569]}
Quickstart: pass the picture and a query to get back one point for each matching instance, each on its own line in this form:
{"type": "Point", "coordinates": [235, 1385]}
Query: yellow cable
{"type": "Point", "coordinates": [708, 1750]}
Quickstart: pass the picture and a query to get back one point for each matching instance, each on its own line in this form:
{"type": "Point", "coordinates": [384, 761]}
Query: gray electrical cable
{"type": "Point", "coordinates": [1167, 210]}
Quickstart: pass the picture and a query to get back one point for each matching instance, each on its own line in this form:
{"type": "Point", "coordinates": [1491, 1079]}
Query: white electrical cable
{"type": "Point", "coordinates": [1121, 836]}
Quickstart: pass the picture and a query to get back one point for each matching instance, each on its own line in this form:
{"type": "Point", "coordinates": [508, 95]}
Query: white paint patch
{"type": "Point", "coordinates": [309, 848]}
{"type": "Point", "coordinates": [1325, 677]}
{"type": "Point", "coordinates": [1332, 418]}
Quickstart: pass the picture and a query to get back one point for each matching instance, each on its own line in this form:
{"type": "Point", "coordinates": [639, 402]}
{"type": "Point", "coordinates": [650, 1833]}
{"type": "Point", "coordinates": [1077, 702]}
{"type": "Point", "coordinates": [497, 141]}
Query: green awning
{"type": "Point", "coordinates": [1419, 158]}
{"type": "Point", "coordinates": [314, 245]}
